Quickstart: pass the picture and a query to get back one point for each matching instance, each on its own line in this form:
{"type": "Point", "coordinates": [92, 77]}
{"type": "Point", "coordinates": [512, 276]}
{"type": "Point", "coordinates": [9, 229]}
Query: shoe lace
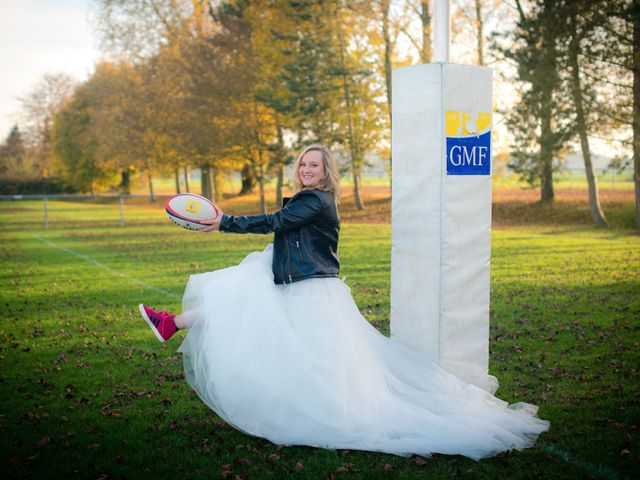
{"type": "Point", "coordinates": [161, 315]}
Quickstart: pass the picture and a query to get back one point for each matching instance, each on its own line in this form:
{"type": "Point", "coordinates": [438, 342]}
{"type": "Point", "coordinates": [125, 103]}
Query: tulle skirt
{"type": "Point", "coordinates": [297, 364]}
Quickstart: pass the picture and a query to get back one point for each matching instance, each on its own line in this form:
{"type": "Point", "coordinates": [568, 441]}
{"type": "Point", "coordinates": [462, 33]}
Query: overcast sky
{"type": "Point", "coordinates": [39, 37]}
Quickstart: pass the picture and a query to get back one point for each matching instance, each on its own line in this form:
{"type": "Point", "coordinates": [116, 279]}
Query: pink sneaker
{"type": "Point", "coordinates": [161, 323]}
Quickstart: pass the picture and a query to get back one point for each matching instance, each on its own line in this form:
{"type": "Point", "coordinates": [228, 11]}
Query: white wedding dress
{"type": "Point", "coordinates": [297, 364]}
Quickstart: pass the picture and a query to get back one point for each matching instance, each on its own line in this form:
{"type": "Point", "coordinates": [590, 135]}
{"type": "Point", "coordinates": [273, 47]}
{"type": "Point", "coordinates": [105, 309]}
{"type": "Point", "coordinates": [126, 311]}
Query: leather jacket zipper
{"type": "Point", "coordinates": [286, 244]}
{"type": "Point", "coordinates": [299, 250]}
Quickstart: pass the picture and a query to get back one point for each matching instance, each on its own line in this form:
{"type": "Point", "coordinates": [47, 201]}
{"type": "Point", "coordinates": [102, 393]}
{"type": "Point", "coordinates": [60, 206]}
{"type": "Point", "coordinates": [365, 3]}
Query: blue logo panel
{"type": "Point", "coordinates": [469, 155]}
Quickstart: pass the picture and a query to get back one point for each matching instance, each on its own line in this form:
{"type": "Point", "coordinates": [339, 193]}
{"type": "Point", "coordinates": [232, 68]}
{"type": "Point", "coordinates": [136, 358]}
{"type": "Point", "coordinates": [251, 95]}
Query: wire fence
{"type": "Point", "coordinates": [46, 197]}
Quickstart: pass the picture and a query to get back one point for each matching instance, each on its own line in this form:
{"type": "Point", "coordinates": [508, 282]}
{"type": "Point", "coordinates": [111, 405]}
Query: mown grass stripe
{"type": "Point", "coordinates": [106, 267]}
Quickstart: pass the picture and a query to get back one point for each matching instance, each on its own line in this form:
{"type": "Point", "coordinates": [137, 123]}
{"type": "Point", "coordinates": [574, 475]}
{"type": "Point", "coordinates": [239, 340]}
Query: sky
{"type": "Point", "coordinates": [39, 37]}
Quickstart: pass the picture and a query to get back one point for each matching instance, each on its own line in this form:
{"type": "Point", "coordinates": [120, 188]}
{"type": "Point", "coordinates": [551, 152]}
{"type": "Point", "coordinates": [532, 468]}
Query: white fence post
{"type": "Point", "coordinates": [121, 211]}
{"type": "Point", "coordinates": [46, 214]}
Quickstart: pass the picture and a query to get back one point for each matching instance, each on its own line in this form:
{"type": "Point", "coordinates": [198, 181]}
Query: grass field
{"type": "Point", "coordinates": [88, 392]}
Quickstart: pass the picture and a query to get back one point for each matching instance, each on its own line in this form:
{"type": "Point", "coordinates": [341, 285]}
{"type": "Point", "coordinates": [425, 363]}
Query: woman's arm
{"type": "Point", "coordinates": [300, 210]}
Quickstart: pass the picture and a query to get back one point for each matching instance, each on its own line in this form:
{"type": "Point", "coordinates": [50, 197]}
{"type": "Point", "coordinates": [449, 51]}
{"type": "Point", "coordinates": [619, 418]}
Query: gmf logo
{"type": "Point", "coordinates": [468, 143]}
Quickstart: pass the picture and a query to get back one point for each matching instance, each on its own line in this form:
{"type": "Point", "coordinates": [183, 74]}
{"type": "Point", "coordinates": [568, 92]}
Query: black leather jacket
{"type": "Point", "coordinates": [306, 229]}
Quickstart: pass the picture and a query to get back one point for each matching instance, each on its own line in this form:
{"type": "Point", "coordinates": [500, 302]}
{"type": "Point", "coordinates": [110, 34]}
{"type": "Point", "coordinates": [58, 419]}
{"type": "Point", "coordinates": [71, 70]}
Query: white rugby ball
{"type": "Point", "coordinates": [189, 210]}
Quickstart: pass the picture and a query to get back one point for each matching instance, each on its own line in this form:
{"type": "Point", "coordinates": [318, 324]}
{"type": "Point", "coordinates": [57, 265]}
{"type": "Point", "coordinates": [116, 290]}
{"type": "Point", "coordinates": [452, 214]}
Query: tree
{"type": "Point", "coordinates": [39, 106]}
{"type": "Point", "coordinates": [468, 32]}
{"type": "Point", "coordinates": [244, 36]}
{"type": "Point", "coordinates": [12, 155]}
{"type": "Point", "coordinates": [425, 17]}
{"type": "Point", "coordinates": [417, 32]}
{"type": "Point", "coordinates": [620, 53]}
{"type": "Point", "coordinates": [539, 122]}
{"type": "Point", "coordinates": [578, 32]}
{"type": "Point", "coordinates": [113, 130]}
{"type": "Point", "coordinates": [383, 38]}
{"type": "Point", "coordinates": [134, 30]}
{"type": "Point", "coordinates": [357, 111]}
{"type": "Point", "coordinates": [72, 142]}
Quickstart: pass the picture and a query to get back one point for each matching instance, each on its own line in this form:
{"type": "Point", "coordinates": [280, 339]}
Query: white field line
{"type": "Point", "coordinates": [599, 470]}
{"type": "Point", "coordinates": [106, 267]}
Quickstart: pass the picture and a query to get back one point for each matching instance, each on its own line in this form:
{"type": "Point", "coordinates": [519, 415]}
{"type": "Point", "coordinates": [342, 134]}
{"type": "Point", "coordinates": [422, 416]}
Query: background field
{"type": "Point", "coordinates": [87, 392]}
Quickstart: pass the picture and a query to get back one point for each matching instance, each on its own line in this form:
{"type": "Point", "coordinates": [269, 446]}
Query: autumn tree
{"type": "Point", "coordinates": [358, 113]}
{"type": "Point", "coordinates": [73, 142]}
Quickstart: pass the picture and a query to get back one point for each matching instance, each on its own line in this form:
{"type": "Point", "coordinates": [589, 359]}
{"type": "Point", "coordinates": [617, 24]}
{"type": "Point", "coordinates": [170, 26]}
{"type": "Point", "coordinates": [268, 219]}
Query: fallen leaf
{"type": "Point", "coordinates": [421, 462]}
{"type": "Point", "coordinates": [43, 441]}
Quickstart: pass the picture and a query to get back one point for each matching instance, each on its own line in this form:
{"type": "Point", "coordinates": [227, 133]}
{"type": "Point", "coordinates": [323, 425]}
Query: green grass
{"type": "Point", "coordinates": [87, 391]}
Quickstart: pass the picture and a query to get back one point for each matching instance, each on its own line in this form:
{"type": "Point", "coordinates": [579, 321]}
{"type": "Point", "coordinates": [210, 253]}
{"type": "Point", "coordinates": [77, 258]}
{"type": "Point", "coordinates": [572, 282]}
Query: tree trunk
{"type": "Point", "coordinates": [353, 142]}
{"type": "Point", "coordinates": [217, 185]}
{"type": "Point", "coordinates": [212, 182]}
{"type": "Point", "coordinates": [151, 194]}
{"type": "Point", "coordinates": [425, 16]}
{"type": "Point", "coordinates": [205, 181]}
{"type": "Point", "coordinates": [248, 180]}
{"type": "Point", "coordinates": [186, 179]}
{"type": "Point", "coordinates": [356, 191]}
{"type": "Point", "coordinates": [547, 75]}
{"type": "Point", "coordinates": [261, 187]}
{"type": "Point", "coordinates": [546, 159]}
{"type": "Point", "coordinates": [176, 176]}
{"type": "Point", "coordinates": [636, 105]}
{"type": "Point", "coordinates": [594, 200]}
{"type": "Point", "coordinates": [479, 26]}
{"type": "Point", "coordinates": [281, 162]}
{"type": "Point", "coordinates": [125, 181]}
{"type": "Point", "coordinates": [279, 183]}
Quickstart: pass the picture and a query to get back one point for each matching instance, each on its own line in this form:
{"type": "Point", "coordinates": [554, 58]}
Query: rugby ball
{"type": "Point", "coordinates": [189, 210]}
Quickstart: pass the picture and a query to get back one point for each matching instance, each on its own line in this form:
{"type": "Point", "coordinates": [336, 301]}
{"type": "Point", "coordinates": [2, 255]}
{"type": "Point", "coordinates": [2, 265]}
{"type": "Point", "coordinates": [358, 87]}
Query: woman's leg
{"type": "Point", "coordinates": [188, 319]}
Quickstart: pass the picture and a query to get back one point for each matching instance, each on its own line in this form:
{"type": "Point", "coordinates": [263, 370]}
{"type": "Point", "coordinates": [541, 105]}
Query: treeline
{"type": "Point", "coordinates": [242, 85]}
{"type": "Point", "coordinates": [578, 63]}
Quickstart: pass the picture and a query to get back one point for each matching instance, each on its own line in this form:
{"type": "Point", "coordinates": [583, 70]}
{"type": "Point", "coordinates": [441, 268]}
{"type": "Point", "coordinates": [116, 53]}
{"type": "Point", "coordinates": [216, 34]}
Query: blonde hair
{"type": "Point", "coordinates": [331, 180]}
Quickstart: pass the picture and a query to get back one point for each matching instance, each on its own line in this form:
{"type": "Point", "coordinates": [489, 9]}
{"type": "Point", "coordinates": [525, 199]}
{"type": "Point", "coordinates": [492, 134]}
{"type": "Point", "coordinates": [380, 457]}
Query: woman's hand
{"type": "Point", "coordinates": [215, 224]}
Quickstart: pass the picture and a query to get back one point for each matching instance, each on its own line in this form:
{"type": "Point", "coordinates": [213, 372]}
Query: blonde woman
{"type": "Point", "coordinates": [277, 347]}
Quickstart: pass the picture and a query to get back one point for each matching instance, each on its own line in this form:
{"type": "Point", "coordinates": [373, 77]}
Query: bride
{"type": "Point", "coordinates": [277, 347]}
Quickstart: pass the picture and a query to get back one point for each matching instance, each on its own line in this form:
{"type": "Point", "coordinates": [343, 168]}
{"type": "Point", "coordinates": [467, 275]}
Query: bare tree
{"type": "Point", "coordinates": [38, 108]}
{"type": "Point", "coordinates": [136, 29]}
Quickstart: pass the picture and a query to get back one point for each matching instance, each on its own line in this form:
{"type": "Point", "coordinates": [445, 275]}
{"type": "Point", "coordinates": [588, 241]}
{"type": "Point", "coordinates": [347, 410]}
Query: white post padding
{"type": "Point", "coordinates": [441, 216]}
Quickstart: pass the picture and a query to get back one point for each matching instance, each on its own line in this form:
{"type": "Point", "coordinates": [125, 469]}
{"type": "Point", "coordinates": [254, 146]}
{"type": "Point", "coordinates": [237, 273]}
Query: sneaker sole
{"type": "Point", "coordinates": [150, 323]}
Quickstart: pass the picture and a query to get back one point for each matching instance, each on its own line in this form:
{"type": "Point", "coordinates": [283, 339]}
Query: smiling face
{"type": "Point", "coordinates": [311, 170]}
